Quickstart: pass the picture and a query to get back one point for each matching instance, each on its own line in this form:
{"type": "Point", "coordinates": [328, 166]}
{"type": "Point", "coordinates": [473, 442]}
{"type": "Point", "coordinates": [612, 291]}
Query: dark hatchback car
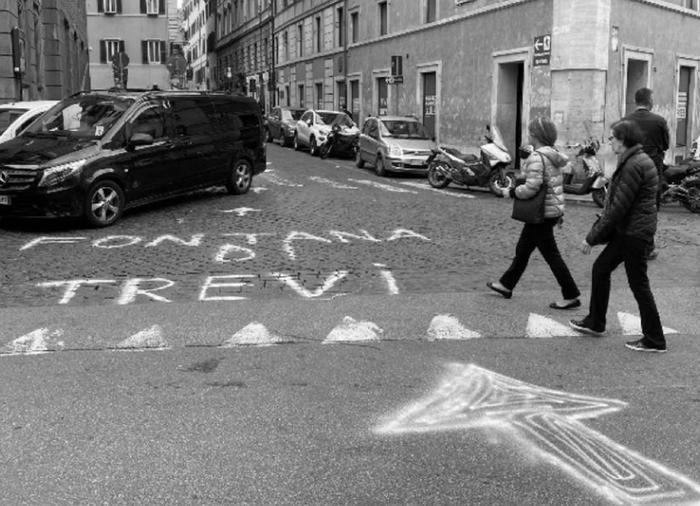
{"type": "Point", "coordinates": [282, 124]}
{"type": "Point", "coordinates": [97, 153]}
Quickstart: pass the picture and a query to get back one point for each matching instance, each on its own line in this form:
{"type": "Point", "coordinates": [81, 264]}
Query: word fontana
{"type": "Point", "coordinates": [232, 250]}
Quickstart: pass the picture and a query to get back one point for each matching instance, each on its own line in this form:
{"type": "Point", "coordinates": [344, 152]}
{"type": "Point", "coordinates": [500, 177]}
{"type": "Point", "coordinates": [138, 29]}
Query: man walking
{"type": "Point", "coordinates": [655, 138]}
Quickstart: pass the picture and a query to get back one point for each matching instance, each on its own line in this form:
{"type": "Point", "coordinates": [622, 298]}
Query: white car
{"type": "Point", "coordinates": [16, 116]}
{"type": "Point", "coordinates": [313, 127]}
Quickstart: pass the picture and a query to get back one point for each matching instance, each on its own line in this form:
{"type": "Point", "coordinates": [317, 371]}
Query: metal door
{"type": "Point", "coordinates": [429, 101]}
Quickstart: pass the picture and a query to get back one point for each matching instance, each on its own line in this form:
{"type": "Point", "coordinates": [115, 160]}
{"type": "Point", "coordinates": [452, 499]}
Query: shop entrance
{"type": "Point", "coordinates": [509, 105]}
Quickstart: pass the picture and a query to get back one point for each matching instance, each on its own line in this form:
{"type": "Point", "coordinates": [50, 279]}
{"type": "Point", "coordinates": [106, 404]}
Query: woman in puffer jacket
{"type": "Point", "coordinates": [543, 166]}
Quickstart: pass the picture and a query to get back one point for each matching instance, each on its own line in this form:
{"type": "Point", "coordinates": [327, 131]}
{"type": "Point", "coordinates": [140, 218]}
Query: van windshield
{"type": "Point", "coordinates": [87, 116]}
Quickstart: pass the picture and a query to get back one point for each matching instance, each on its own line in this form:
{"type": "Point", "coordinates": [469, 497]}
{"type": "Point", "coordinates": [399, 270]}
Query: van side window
{"type": "Point", "coordinates": [192, 117]}
{"type": "Point", "coordinates": [150, 121]}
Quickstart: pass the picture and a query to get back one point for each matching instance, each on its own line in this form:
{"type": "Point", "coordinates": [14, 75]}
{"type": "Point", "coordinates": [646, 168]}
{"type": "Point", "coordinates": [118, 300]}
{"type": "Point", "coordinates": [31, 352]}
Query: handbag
{"type": "Point", "coordinates": [532, 210]}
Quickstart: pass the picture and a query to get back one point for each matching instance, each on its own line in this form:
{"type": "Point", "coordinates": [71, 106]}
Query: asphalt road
{"type": "Point", "coordinates": [328, 339]}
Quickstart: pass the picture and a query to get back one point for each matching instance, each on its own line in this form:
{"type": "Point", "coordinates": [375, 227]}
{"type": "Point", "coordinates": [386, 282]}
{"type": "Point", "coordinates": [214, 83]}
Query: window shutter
{"type": "Point", "coordinates": [161, 6]}
{"type": "Point", "coordinates": [143, 6]}
{"type": "Point", "coordinates": [162, 52]}
{"type": "Point", "coordinates": [119, 6]}
{"type": "Point", "coordinates": [100, 5]}
{"type": "Point", "coordinates": [103, 51]}
{"type": "Point", "coordinates": [121, 46]}
{"type": "Point", "coordinates": [144, 51]}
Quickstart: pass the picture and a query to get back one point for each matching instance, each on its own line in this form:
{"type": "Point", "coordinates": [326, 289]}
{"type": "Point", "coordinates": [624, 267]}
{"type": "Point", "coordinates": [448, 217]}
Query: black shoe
{"type": "Point", "coordinates": [582, 326]}
{"type": "Point", "coordinates": [505, 292]}
{"type": "Point", "coordinates": [569, 305]}
{"type": "Point", "coordinates": [644, 345]}
{"type": "Point", "coordinates": [652, 255]}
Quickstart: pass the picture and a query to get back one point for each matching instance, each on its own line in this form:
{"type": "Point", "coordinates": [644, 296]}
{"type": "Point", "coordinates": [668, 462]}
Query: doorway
{"type": "Point", "coordinates": [429, 101]}
{"type": "Point", "coordinates": [509, 105]}
{"type": "Point", "coordinates": [637, 77]}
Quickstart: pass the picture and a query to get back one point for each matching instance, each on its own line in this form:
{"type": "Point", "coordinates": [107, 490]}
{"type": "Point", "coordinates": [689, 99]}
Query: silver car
{"type": "Point", "coordinates": [394, 144]}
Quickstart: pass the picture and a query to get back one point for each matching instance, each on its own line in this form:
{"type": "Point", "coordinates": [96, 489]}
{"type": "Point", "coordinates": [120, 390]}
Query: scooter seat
{"type": "Point", "coordinates": [676, 171]}
{"type": "Point", "coordinates": [467, 157]}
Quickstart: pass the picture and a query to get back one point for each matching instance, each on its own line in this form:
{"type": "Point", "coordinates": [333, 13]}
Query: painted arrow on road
{"type": "Point", "coordinates": [548, 423]}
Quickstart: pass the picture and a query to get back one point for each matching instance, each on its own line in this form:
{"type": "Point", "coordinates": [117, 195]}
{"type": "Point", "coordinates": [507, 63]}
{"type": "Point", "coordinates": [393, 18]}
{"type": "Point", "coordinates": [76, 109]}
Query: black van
{"type": "Point", "coordinates": [97, 153]}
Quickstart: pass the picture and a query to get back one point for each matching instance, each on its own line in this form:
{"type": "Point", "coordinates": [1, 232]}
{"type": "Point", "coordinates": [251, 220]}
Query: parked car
{"type": "Point", "coordinates": [97, 153]}
{"type": "Point", "coordinates": [16, 116]}
{"type": "Point", "coordinates": [394, 144]}
{"type": "Point", "coordinates": [312, 129]}
{"type": "Point", "coordinates": [282, 124]}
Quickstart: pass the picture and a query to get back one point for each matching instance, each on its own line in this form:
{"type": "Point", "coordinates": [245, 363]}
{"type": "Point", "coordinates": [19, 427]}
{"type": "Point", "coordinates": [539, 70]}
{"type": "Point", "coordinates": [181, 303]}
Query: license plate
{"type": "Point", "coordinates": [4, 200]}
{"type": "Point", "coordinates": [417, 161]}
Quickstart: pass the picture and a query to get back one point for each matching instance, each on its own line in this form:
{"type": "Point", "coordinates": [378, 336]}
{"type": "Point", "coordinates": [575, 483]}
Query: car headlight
{"type": "Point", "coordinates": [56, 175]}
{"type": "Point", "coordinates": [395, 151]}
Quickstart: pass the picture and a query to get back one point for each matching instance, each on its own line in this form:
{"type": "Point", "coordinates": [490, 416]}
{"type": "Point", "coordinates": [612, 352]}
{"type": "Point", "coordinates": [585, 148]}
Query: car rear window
{"type": "Point", "coordinates": [405, 129]}
{"type": "Point", "coordinates": [328, 117]}
{"type": "Point", "coordinates": [9, 116]}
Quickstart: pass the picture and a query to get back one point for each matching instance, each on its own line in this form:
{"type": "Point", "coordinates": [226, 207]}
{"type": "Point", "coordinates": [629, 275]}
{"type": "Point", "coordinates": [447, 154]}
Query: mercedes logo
{"type": "Point", "coordinates": [4, 176]}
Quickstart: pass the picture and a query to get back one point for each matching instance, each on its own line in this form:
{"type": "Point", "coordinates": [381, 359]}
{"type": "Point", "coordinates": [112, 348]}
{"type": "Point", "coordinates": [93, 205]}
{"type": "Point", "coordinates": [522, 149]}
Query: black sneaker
{"type": "Point", "coordinates": [582, 326]}
{"type": "Point", "coordinates": [644, 345]}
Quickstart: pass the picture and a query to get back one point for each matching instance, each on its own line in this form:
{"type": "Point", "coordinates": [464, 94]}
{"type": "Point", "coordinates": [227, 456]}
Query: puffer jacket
{"type": "Point", "coordinates": [630, 207]}
{"type": "Point", "coordinates": [549, 162]}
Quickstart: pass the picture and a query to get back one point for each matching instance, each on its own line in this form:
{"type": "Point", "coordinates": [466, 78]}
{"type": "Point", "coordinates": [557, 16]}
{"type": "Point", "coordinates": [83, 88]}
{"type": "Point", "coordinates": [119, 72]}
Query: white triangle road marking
{"type": "Point", "coordinates": [150, 338]}
{"type": "Point", "coordinates": [353, 330]}
{"type": "Point", "coordinates": [35, 342]}
{"type": "Point", "coordinates": [446, 326]}
{"type": "Point", "coordinates": [540, 326]}
{"type": "Point", "coordinates": [254, 334]}
{"type": "Point", "coordinates": [632, 325]}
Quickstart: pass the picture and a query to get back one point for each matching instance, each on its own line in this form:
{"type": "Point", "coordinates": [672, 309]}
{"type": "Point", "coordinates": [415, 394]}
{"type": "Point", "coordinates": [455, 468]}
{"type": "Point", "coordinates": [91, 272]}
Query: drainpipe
{"type": "Point", "coordinates": [272, 78]}
{"type": "Point", "coordinates": [348, 105]}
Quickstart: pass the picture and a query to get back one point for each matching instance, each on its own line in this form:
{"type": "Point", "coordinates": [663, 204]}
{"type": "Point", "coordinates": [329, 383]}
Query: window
{"type": "Point", "coordinates": [285, 46]}
{"type": "Point", "coordinates": [286, 94]}
{"type": "Point", "coordinates": [383, 21]}
{"type": "Point", "coordinates": [317, 29]}
{"type": "Point", "coordinates": [354, 26]}
{"type": "Point", "coordinates": [301, 95]}
{"type": "Point", "coordinates": [691, 4]}
{"type": "Point", "coordinates": [340, 20]}
{"type": "Point", "coordinates": [108, 48]}
{"type": "Point", "coordinates": [429, 11]}
{"type": "Point", "coordinates": [300, 40]}
{"type": "Point", "coordinates": [319, 95]}
{"type": "Point", "coordinates": [110, 6]}
{"type": "Point", "coordinates": [152, 51]}
{"type": "Point", "coordinates": [150, 121]}
{"type": "Point", "coordinates": [151, 7]}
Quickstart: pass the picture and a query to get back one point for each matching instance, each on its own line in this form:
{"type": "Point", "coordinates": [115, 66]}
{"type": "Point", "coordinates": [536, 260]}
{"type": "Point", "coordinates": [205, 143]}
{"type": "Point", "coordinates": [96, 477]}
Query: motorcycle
{"type": "Point", "coordinates": [341, 140]}
{"type": "Point", "coordinates": [681, 183]}
{"type": "Point", "coordinates": [492, 168]}
{"type": "Point", "coordinates": [594, 180]}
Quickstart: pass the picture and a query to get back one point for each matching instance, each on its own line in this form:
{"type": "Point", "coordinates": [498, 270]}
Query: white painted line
{"type": "Point", "coordinates": [446, 326]}
{"type": "Point", "coordinates": [258, 189]}
{"type": "Point", "coordinates": [150, 338]}
{"type": "Point", "coordinates": [241, 211]}
{"type": "Point", "coordinates": [426, 186]}
{"type": "Point", "coordinates": [275, 179]}
{"type": "Point", "coordinates": [332, 184]}
{"type": "Point", "coordinates": [253, 334]}
{"type": "Point", "coordinates": [541, 326]}
{"type": "Point", "coordinates": [382, 186]}
{"type": "Point", "coordinates": [632, 325]}
{"type": "Point", "coordinates": [35, 342]}
{"type": "Point", "coordinates": [352, 330]}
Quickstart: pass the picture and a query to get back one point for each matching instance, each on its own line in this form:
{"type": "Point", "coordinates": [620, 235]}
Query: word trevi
{"type": "Point", "coordinates": [214, 288]}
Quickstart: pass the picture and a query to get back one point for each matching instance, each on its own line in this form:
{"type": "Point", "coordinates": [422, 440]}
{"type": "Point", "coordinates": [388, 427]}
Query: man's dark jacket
{"type": "Point", "coordinates": [630, 208]}
{"type": "Point", "coordinates": [655, 131]}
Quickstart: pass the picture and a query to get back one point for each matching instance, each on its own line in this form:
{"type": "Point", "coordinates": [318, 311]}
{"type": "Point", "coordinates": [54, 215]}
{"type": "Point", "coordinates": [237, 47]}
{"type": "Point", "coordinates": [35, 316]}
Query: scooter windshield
{"type": "Point", "coordinates": [497, 138]}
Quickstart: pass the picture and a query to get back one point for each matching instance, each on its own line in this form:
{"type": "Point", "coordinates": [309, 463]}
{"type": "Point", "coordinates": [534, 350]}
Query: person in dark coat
{"type": "Point", "coordinates": [627, 226]}
{"type": "Point", "coordinates": [542, 167]}
{"type": "Point", "coordinates": [655, 138]}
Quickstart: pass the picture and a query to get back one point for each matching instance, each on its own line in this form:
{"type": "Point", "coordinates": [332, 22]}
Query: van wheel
{"type": "Point", "coordinates": [241, 177]}
{"type": "Point", "coordinates": [104, 203]}
{"type": "Point", "coordinates": [379, 166]}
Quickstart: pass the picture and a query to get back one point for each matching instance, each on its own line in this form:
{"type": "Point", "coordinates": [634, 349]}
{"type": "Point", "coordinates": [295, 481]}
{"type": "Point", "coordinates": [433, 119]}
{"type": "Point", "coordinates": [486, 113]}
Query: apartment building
{"type": "Point", "coordinates": [134, 36]}
{"type": "Point", "coordinates": [460, 64]}
{"type": "Point", "coordinates": [43, 49]}
{"type": "Point", "coordinates": [199, 25]}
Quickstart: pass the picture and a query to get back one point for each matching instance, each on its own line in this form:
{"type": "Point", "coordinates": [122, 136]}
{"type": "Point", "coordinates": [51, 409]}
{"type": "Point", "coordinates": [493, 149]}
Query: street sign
{"type": "Point", "coordinates": [542, 50]}
{"type": "Point", "coordinates": [394, 79]}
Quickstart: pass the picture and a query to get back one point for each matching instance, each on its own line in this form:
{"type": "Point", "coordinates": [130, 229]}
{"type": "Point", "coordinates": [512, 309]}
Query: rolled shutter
{"type": "Point", "coordinates": [144, 51]}
{"type": "Point", "coordinates": [100, 5]}
{"type": "Point", "coordinates": [103, 51]}
{"type": "Point", "coordinates": [161, 6]}
{"type": "Point", "coordinates": [162, 52]}
{"type": "Point", "coordinates": [119, 6]}
{"type": "Point", "coordinates": [143, 6]}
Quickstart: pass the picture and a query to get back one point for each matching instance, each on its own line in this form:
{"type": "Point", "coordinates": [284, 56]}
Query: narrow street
{"type": "Point", "coordinates": [328, 338]}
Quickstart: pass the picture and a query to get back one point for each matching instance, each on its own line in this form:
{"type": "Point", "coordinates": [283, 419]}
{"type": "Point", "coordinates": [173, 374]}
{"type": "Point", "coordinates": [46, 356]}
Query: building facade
{"type": "Point", "coordinates": [131, 41]}
{"type": "Point", "coordinates": [48, 58]}
{"type": "Point", "coordinates": [199, 25]}
{"type": "Point", "coordinates": [461, 64]}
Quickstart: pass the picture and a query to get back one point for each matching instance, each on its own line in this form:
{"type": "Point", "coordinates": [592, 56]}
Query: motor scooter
{"type": "Point", "coordinates": [492, 169]}
{"type": "Point", "coordinates": [594, 180]}
{"type": "Point", "coordinates": [341, 140]}
{"type": "Point", "coordinates": [681, 183]}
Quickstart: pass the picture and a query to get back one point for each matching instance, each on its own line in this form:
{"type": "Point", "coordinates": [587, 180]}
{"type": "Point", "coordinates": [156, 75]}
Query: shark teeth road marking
{"type": "Point", "coordinates": [382, 186]}
{"type": "Point", "coordinates": [424, 186]}
{"type": "Point", "coordinates": [275, 179]}
{"type": "Point", "coordinates": [241, 211]}
{"type": "Point", "coordinates": [258, 189]}
{"type": "Point", "coordinates": [541, 326]}
{"type": "Point", "coordinates": [353, 330]}
{"type": "Point", "coordinates": [446, 326]}
{"type": "Point", "coordinates": [35, 342]}
{"type": "Point", "coordinates": [332, 184]}
{"type": "Point", "coordinates": [632, 325]}
{"type": "Point", "coordinates": [146, 339]}
{"type": "Point", "coordinates": [254, 334]}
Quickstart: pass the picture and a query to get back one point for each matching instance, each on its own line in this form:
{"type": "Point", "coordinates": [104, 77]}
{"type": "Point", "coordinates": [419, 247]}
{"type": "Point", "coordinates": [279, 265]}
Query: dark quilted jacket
{"type": "Point", "coordinates": [630, 208]}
